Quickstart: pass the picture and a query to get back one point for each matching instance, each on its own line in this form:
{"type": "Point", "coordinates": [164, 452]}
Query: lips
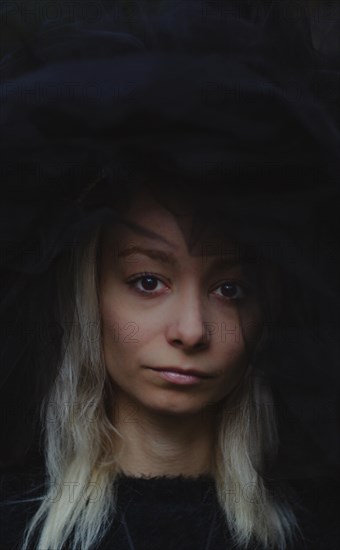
{"type": "Point", "coordinates": [187, 372]}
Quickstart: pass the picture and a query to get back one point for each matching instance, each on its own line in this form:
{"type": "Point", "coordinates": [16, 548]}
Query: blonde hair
{"type": "Point", "coordinates": [82, 445]}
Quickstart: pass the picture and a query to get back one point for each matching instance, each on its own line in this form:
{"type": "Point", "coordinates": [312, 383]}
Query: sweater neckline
{"type": "Point", "coordinates": [172, 489]}
{"type": "Point", "coordinates": [166, 478]}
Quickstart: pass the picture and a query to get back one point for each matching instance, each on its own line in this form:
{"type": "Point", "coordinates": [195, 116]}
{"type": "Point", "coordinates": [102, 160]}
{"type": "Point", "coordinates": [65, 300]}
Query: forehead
{"type": "Point", "coordinates": [173, 224]}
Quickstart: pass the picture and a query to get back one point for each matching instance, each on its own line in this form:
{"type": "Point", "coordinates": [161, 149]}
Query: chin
{"type": "Point", "coordinates": [174, 406]}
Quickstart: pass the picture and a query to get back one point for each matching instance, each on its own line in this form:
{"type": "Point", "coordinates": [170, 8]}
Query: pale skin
{"type": "Point", "coordinates": [186, 317]}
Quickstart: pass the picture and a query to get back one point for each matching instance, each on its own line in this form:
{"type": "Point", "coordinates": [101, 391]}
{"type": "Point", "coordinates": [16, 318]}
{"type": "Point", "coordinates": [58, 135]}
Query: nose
{"type": "Point", "coordinates": [187, 329]}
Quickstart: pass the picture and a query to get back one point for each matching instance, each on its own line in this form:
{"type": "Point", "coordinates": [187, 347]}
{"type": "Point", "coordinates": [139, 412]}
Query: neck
{"type": "Point", "coordinates": [157, 444]}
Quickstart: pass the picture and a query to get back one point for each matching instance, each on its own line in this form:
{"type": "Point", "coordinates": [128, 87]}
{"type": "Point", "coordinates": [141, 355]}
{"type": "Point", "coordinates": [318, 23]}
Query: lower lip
{"type": "Point", "coordinates": [177, 378]}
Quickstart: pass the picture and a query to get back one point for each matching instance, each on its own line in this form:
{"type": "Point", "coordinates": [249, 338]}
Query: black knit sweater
{"type": "Point", "coordinates": [167, 512]}
{"type": "Point", "coordinates": [171, 513]}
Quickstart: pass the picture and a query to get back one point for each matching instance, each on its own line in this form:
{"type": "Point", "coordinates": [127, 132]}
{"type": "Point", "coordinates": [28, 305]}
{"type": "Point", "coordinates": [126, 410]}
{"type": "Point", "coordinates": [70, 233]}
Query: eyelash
{"type": "Point", "coordinates": [151, 293]}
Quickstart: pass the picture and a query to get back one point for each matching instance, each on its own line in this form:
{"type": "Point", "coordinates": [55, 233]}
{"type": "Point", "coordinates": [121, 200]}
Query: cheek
{"type": "Point", "coordinates": [235, 349]}
{"type": "Point", "coordinates": [123, 335]}
{"type": "Point", "coordinates": [251, 327]}
{"type": "Point", "coordinates": [112, 323]}
{"type": "Point", "coordinates": [109, 322]}
{"type": "Point", "coordinates": [239, 331]}
{"type": "Point", "coordinates": [122, 330]}
{"type": "Point", "coordinates": [115, 316]}
{"type": "Point", "coordinates": [235, 360]}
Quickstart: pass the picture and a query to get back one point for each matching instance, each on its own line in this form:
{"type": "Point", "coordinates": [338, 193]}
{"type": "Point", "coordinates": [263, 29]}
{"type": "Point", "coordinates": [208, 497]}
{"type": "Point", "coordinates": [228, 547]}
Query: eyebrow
{"type": "Point", "coordinates": [152, 253]}
{"type": "Point", "coordinates": [170, 259]}
{"type": "Point", "coordinates": [139, 229]}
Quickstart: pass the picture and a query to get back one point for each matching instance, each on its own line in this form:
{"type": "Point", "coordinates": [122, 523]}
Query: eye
{"type": "Point", "coordinates": [148, 282]}
{"type": "Point", "coordinates": [232, 290]}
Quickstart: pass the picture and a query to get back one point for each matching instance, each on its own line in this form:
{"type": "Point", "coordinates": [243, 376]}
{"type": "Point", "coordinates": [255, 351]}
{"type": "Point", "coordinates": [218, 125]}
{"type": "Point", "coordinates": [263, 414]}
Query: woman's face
{"type": "Point", "coordinates": [162, 307]}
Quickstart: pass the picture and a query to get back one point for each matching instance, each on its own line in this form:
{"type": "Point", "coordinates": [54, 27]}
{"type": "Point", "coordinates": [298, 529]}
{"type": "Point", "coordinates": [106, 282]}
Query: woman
{"type": "Point", "coordinates": [217, 297]}
{"type": "Point", "coordinates": [193, 311]}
